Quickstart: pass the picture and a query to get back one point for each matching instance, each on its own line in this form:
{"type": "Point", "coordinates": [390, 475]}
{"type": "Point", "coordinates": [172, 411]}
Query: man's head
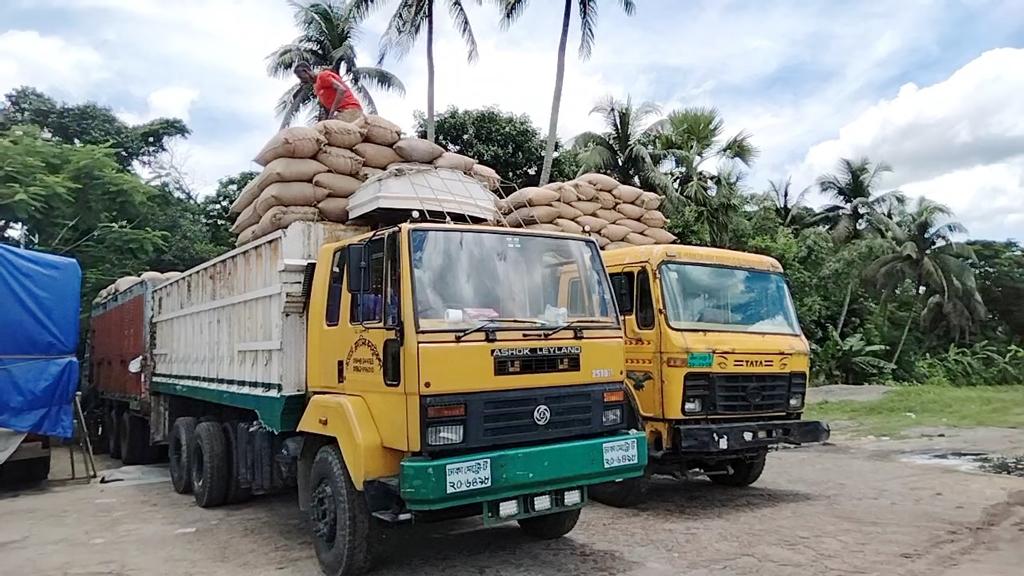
{"type": "Point", "coordinates": [305, 72]}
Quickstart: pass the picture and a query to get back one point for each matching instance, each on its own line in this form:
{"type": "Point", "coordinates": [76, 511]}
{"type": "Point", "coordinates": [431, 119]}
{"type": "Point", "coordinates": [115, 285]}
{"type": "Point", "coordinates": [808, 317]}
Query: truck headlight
{"type": "Point", "coordinates": [572, 497]}
{"type": "Point", "coordinates": [693, 406]}
{"type": "Point", "coordinates": [796, 401]}
{"type": "Point", "coordinates": [444, 434]}
{"type": "Point", "coordinates": [508, 508]}
{"type": "Point", "coordinates": [611, 416]}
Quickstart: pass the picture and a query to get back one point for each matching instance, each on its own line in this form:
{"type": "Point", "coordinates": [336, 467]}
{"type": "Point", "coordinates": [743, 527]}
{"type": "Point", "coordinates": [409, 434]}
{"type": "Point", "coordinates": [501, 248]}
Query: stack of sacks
{"type": "Point", "coordinates": [309, 173]}
{"type": "Point", "coordinates": [125, 282]}
{"type": "Point", "coordinates": [616, 215]}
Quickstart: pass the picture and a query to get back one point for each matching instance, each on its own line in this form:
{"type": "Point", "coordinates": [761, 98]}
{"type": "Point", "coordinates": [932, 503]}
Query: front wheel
{"type": "Point", "coordinates": [344, 533]}
{"type": "Point", "coordinates": [622, 494]}
{"type": "Point", "coordinates": [550, 526]}
{"type": "Point", "coordinates": [744, 472]}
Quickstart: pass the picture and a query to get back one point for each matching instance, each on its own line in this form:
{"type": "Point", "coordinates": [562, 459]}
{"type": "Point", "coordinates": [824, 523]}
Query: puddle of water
{"type": "Point", "coordinates": [1012, 466]}
{"type": "Point", "coordinates": [971, 461]}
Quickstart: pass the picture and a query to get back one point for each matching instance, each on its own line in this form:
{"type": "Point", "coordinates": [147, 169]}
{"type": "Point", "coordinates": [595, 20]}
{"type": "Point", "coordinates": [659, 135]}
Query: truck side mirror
{"type": "Point", "coordinates": [357, 268]}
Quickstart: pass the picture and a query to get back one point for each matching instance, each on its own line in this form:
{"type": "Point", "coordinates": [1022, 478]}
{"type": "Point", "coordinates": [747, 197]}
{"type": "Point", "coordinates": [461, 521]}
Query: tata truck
{"type": "Point", "coordinates": [716, 363]}
{"type": "Point", "coordinates": [420, 371]}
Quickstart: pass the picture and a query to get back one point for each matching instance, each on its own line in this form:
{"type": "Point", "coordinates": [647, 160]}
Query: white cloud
{"type": "Point", "coordinates": [47, 62]}
{"type": "Point", "coordinates": [959, 141]}
{"type": "Point", "coordinates": [167, 102]}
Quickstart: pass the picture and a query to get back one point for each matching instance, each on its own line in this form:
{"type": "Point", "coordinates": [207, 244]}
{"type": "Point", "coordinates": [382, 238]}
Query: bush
{"type": "Point", "coordinates": [982, 364]}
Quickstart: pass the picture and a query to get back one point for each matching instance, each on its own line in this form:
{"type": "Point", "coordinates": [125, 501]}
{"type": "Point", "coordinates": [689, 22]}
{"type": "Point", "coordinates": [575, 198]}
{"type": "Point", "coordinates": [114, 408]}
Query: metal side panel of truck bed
{"type": "Point", "coordinates": [232, 330]}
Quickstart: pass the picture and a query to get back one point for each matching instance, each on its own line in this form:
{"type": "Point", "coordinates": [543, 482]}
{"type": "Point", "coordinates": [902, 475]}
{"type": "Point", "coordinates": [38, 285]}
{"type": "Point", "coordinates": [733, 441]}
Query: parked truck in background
{"type": "Point", "coordinates": [419, 371]}
{"type": "Point", "coordinates": [716, 363]}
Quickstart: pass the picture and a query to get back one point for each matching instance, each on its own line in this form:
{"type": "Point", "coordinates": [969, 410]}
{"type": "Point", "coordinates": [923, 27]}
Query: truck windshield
{"type": "Point", "coordinates": [713, 298]}
{"type": "Point", "coordinates": [463, 279]}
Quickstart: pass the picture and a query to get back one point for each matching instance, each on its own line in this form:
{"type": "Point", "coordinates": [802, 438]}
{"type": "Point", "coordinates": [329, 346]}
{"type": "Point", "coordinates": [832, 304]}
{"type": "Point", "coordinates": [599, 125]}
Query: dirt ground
{"type": "Point", "coordinates": [852, 507]}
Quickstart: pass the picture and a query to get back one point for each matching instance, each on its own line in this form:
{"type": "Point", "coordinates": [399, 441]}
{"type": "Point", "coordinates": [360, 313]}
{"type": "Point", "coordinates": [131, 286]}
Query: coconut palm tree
{"type": "Point", "coordinates": [924, 253]}
{"type": "Point", "coordinates": [511, 10]}
{"type": "Point", "coordinates": [327, 39]}
{"type": "Point", "coordinates": [790, 206]}
{"type": "Point", "coordinates": [624, 151]}
{"type": "Point", "coordinates": [408, 20]}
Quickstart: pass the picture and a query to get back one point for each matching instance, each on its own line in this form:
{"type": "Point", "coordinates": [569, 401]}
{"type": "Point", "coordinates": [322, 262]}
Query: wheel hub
{"type": "Point", "coordinates": [324, 513]}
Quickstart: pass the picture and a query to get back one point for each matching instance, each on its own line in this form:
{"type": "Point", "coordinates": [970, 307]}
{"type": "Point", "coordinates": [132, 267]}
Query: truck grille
{"type": "Point", "coordinates": [512, 417]}
{"type": "Point", "coordinates": [745, 393]}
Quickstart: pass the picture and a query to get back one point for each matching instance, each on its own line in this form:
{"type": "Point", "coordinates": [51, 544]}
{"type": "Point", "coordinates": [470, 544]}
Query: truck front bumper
{"type": "Point", "coordinates": [721, 438]}
{"type": "Point", "coordinates": [522, 472]}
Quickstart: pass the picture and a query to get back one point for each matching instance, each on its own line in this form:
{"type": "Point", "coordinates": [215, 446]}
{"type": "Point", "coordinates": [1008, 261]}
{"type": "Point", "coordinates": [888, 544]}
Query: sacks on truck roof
{"type": "Point", "coordinates": [654, 219]}
{"type": "Point", "coordinates": [294, 142]}
{"type": "Point", "coordinates": [280, 170]}
{"type": "Point", "coordinates": [660, 235]}
{"type": "Point", "coordinates": [635, 226]}
{"type": "Point", "coordinates": [125, 282]}
{"type": "Point", "coordinates": [339, 185]}
{"type": "Point", "coordinates": [340, 133]}
{"type": "Point", "coordinates": [340, 160]}
{"type": "Point", "coordinates": [486, 175]}
{"type": "Point", "coordinates": [600, 181]}
{"type": "Point", "coordinates": [289, 194]}
{"type": "Point", "coordinates": [380, 131]}
{"type": "Point", "coordinates": [566, 211]}
{"type": "Point", "coordinates": [626, 193]}
{"type": "Point", "coordinates": [631, 211]}
{"type": "Point", "coordinates": [583, 189]}
{"type": "Point", "coordinates": [648, 201]}
{"type": "Point", "coordinates": [276, 218]}
{"type": "Point", "coordinates": [334, 209]}
{"type": "Point", "coordinates": [531, 196]}
{"type": "Point", "coordinates": [455, 162]}
{"type": "Point", "coordinates": [638, 239]}
{"type": "Point", "coordinates": [376, 155]}
{"type": "Point", "coordinates": [418, 150]}
{"type": "Point", "coordinates": [615, 233]}
{"type": "Point", "coordinates": [532, 215]}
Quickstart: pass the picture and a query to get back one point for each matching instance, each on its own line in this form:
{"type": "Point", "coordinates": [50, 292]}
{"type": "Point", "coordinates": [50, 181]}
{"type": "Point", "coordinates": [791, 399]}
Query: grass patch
{"type": "Point", "coordinates": [1001, 406]}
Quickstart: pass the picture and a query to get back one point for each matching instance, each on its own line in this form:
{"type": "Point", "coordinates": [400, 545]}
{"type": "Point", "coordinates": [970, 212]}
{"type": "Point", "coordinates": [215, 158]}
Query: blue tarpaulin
{"type": "Point", "coordinates": [39, 307]}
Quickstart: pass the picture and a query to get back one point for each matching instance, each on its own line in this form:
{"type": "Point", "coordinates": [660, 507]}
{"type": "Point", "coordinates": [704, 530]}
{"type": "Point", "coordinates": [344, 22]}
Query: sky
{"type": "Point", "coordinates": [933, 88]}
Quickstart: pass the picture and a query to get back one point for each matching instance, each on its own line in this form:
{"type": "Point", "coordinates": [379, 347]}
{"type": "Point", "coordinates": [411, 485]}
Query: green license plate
{"type": "Point", "coordinates": [699, 359]}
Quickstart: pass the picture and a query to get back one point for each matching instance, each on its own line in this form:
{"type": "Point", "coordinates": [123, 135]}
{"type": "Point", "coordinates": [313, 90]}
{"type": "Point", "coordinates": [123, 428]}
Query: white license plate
{"type": "Point", "coordinates": [469, 475]}
{"type": "Point", "coordinates": [621, 453]}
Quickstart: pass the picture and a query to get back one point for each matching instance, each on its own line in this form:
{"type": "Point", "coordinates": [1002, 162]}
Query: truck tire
{"type": "Point", "coordinates": [113, 432]}
{"type": "Point", "coordinates": [208, 459]}
{"type": "Point", "coordinates": [26, 472]}
{"type": "Point", "coordinates": [134, 432]}
{"type": "Point", "coordinates": [550, 526]}
{"type": "Point", "coordinates": [344, 534]}
{"type": "Point", "coordinates": [624, 494]}
{"type": "Point", "coordinates": [182, 432]}
{"type": "Point", "coordinates": [236, 492]}
{"type": "Point", "coordinates": [744, 472]}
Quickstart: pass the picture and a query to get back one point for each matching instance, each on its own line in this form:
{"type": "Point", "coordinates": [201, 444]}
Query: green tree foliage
{"type": "Point", "coordinates": [215, 208]}
{"type": "Point", "coordinates": [999, 270]}
{"type": "Point", "coordinates": [624, 150]}
{"type": "Point", "coordinates": [328, 35]}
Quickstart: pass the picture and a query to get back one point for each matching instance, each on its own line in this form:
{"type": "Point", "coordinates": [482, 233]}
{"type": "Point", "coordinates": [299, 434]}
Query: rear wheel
{"type": "Point", "coordinates": [113, 432]}
{"type": "Point", "coordinates": [550, 526]}
{"type": "Point", "coordinates": [344, 534]}
{"type": "Point", "coordinates": [623, 494]}
{"type": "Point", "coordinates": [236, 493]}
{"type": "Point", "coordinates": [26, 472]}
{"type": "Point", "coordinates": [134, 432]}
{"type": "Point", "coordinates": [209, 465]}
{"type": "Point", "coordinates": [744, 472]}
{"type": "Point", "coordinates": [177, 454]}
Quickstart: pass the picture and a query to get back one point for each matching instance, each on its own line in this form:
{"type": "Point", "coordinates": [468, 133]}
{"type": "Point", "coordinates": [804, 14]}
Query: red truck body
{"type": "Point", "coordinates": [117, 345]}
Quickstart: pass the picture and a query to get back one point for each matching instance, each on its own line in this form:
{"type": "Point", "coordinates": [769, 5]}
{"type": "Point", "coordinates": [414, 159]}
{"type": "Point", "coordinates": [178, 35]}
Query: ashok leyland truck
{"type": "Point", "coordinates": [716, 363]}
{"type": "Point", "coordinates": [418, 371]}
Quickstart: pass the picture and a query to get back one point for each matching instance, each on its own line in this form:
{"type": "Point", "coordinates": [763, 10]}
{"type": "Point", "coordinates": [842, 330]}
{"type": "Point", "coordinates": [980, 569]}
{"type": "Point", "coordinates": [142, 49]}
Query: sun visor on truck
{"type": "Point", "coordinates": [39, 307]}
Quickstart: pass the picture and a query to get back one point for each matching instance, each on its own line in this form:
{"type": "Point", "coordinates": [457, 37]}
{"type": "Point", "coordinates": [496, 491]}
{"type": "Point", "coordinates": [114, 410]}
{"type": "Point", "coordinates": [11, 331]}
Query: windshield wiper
{"type": "Point", "coordinates": [486, 324]}
{"type": "Point", "coordinates": [561, 327]}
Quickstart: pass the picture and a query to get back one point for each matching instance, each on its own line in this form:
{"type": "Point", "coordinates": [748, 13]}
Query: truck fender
{"type": "Point", "coordinates": [347, 419]}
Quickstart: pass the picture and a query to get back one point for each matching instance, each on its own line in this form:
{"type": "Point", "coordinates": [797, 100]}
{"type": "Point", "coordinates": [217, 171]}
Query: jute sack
{"type": "Point", "coordinates": [614, 232]}
{"type": "Point", "coordinates": [125, 282]}
{"type": "Point", "coordinates": [340, 160]}
{"type": "Point", "coordinates": [660, 235]}
{"type": "Point", "coordinates": [289, 194]}
{"type": "Point", "coordinates": [584, 190]}
{"type": "Point", "coordinates": [380, 131]}
{"type": "Point", "coordinates": [279, 217]}
{"type": "Point", "coordinates": [367, 172]}
{"type": "Point", "coordinates": [152, 277]}
{"type": "Point", "coordinates": [627, 193]}
{"type": "Point", "coordinates": [340, 133]}
{"type": "Point", "coordinates": [638, 227]}
{"type": "Point", "coordinates": [544, 227]}
{"type": "Point", "coordinates": [248, 235]}
{"type": "Point", "coordinates": [587, 208]}
{"type": "Point", "coordinates": [353, 116]}
{"type": "Point", "coordinates": [606, 200]}
{"type": "Point", "coordinates": [455, 162]}
{"type": "Point", "coordinates": [376, 155]}
{"type": "Point", "coordinates": [418, 150]}
{"type": "Point", "coordinates": [248, 217]}
{"type": "Point", "coordinates": [617, 245]}
{"type": "Point", "coordinates": [533, 215]}
{"type": "Point", "coordinates": [601, 240]}
{"type": "Point", "coordinates": [609, 215]}
{"type": "Point", "coordinates": [566, 211]}
{"type": "Point", "coordinates": [280, 170]}
{"type": "Point", "coordinates": [648, 201]}
{"type": "Point", "coordinates": [568, 226]}
{"type": "Point", "coordinates": [566, 193]}
{"type": "Point", "coordinates": [532, 196]}
{"type": "Point", "coordinates": [593, 222]}
{"type": "Point", "coordinates": [334, 209]}
{"type": "Point", "coordinates": [294, 142]}
{"type": "Point", "coordinates": [630, 211]}
{"type": "Point", "coordinates": [172, 275]}
{"type": "Point", "coordinates": [339, 185]}
{"type": "Point", "coordinates": [638, 239]}
{"type": "Point", "coordinates": [502, 206]}
{"type": "Point", "coordinates": [487, 176]}
{"type": "Point", "coordinates": [654, 219]}
{"type": "Point", "coordinates": [599, 181]}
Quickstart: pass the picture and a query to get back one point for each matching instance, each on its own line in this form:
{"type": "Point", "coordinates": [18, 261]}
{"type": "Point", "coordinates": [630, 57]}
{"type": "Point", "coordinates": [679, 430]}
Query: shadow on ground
{"type": "Point", "coordinates": [696, 499]}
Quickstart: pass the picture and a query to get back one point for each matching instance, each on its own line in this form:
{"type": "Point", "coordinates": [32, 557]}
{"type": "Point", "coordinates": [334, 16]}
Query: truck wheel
{"type": "Point", "coordinates": [208, 461]}
{"type": "Point", "coordinates": [744, 472]}
{"type": "Point", "coordinates": [182, 432]}
{"type": "Point", "coordinates": [236, 493]}
{"type": "Point", "coordinates": [550, 526]}
{"type": "Point", "coordinates": [113, 433]}
{"type": "Point", "coordinates": [134, 432]}
{"type": "Point", "coordinates": [624, 494]}
{"type": "Point", "coordinates": [344, 533]}
{"type": "Point", "coordinates": [26, 472]}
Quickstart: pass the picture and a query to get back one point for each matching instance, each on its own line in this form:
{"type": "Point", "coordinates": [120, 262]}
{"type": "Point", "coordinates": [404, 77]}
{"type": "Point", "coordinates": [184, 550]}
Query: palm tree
{"type": "Point", "coordinates": [859, 209]}
{"type": "Point", "coordinates": [511, 10]}
{"type": "Point", "coordinates": [790, 207]}
{"type": "Point", "coordinates": [404, 28]}
{"type": "Point", "coordinates": [624, 151]}
{"type": "Point", "coordinates": [327, 40]}
{"type": "Point", "coordinates": [925, 253]}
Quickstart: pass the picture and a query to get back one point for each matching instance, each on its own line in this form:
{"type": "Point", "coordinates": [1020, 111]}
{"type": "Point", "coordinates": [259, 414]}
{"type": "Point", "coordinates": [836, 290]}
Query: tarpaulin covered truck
{"type": "Point", "coordinates": [39, 304]}
{"type": "Point", "coordinates": [419, 371]}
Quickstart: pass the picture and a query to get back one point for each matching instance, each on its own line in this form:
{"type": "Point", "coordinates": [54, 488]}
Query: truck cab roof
{"type": "Point", "coordinates": [659, 253]}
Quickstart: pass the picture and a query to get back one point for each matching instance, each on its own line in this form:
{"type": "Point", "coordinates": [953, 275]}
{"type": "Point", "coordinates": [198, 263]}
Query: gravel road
{"type": "Point", "coordinates": [856, 507]}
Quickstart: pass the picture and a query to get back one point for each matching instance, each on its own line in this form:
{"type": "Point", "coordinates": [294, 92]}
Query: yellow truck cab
{"type": "Point", "coordinates": [716, 363]}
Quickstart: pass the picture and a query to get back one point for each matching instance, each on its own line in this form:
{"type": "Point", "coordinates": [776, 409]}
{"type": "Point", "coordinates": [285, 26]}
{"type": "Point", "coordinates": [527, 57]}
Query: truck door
{"type": "Point", "coordinates": [632, 287]}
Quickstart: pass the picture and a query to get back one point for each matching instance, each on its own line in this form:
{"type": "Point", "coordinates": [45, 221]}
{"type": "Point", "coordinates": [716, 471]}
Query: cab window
{"type": "Point", "coordinates": [334, 288]}
{"type": "Point", "coordinates": [622, 286]}
{"type": "Point", "coordinates": [644, 302]}
{"type": "Point", "coordinates": [367, 308]}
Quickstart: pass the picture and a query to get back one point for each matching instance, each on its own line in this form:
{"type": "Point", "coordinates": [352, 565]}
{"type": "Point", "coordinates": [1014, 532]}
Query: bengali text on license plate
{"type": "Point", "coordinates": [621, 453]}
{"type": "Point", "coordinates": [468, 475]}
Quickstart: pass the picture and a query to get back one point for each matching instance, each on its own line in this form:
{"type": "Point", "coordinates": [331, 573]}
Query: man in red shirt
{"type": "Point", "coordinates": [332, 92]}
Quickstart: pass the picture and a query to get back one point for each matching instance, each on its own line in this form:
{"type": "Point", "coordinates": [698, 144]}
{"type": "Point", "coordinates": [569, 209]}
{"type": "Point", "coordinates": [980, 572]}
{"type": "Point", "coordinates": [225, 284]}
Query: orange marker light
{"type": "Point", "coordinates": [674, 362]}
{"type": "Point", "coordinates": [614, 396]}
{"type": "Point", "coordinates": [448, 411]}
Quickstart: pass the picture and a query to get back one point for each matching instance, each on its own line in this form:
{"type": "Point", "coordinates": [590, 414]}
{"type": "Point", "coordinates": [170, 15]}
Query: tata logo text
{"type": "Point", "coordinates": [743, 363]}
{"type": "Point", "coordinates": [541, 351]}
